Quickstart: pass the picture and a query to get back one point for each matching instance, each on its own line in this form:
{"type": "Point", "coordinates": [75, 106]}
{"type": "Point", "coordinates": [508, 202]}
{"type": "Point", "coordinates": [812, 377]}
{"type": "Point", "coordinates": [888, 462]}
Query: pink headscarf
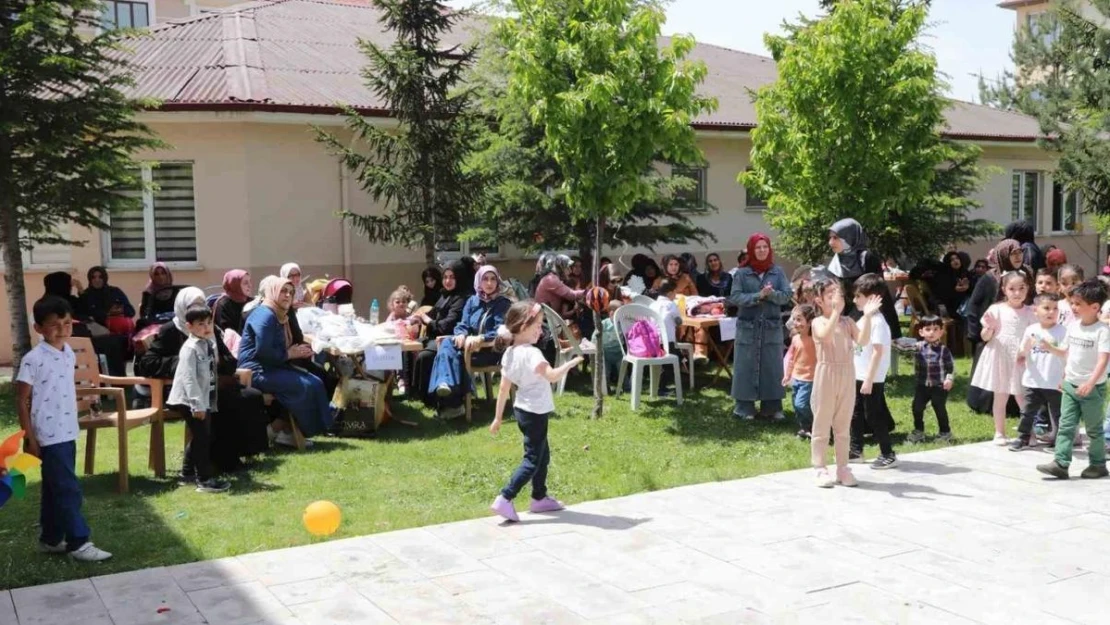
{"type": "Point", "coordinates": [150, 288]}
{"type": "Point", "coordinates": [233, 286]}
{"type": "Point", "coordinates": [482, 295]}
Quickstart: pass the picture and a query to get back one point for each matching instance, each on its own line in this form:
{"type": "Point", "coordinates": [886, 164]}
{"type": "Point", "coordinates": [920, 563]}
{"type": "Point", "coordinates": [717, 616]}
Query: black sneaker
{"type": "Point", "coordinates": [885, 461]}
{"type": "Point", "coordinates": [1094, 472]}
{"type": "Point", "coordinates": [1019, 444]}
{"type": "Point", "coordinates": [212, 485]}
{"type": "Point", "coordinates": [855, 457]}
{"type": "Point", "coordinates": [1054, 469]}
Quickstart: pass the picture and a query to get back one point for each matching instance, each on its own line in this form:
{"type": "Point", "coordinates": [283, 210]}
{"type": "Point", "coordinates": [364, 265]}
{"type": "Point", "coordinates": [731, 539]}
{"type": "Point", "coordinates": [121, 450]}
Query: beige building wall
{"type": "Point", "coordinates": [267, 193]}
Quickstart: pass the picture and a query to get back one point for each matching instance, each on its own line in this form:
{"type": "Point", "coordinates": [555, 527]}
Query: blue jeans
{"type": "Point", "coordinates": [802, 411]}
{"type": "Point", "coordinates": [537, 455]}
{"type": "Point", "coordinates": [448, 368]}
{"type": "Point", "coordinates": [60, 513]}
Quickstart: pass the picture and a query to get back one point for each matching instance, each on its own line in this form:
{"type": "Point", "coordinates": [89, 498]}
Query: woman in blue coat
{"type": "Point", "coordinates": [760, 289]}
{"type": "Point", "coordinates": [267, 349]}
{"type": "Point", "coordinates": [482, 314]}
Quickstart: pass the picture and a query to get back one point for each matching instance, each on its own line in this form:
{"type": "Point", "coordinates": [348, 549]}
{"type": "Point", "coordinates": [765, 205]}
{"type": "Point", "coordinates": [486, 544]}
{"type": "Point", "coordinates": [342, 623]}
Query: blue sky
{"type": "Point", "coordinates": [968, 36]}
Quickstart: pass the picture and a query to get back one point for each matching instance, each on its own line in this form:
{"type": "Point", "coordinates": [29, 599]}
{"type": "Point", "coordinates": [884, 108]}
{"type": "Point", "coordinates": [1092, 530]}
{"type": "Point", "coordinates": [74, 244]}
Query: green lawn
{"type": "Point", "coordinates": [408, 476]}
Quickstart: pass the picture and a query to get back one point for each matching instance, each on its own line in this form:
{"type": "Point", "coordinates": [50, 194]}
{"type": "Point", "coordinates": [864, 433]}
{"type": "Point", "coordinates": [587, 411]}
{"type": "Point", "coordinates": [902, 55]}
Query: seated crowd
{"type": "Point", "coordinates": [253, 369]}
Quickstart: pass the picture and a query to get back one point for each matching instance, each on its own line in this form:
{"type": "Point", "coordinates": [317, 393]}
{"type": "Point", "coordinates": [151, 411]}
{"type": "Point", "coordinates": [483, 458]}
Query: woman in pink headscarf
{"type": "Point", "coordinates": [238, 290]}
{"type": "Point", "coordinates": [158, 296]}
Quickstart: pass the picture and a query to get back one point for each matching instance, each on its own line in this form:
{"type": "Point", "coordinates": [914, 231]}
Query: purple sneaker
{"type": "Point", "coordinates": [504, 508]}
{"type": "Point", "coordinates": [547, 504]}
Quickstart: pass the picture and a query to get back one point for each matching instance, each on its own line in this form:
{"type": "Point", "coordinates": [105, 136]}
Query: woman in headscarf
{"type": "Point", "coordinates": [645, 268]}
{"type": "Point", "coordinates": [576, 278]}
{"type": "Point", "coordinates": [760, 289]}
{"type": "Point", "coordinates": [1025, 234]}
{"type": "Point", "coordinates": [104, 303]}
{"type": "Point", "coordinates": [466, 278]}
{"type": "Point", "coordinates": [440, 321]}
{"type": "Point", "coordinates": [270, 350]}
{"type": "Point", "coordinates": [715, 282]}
{"type": "Point", "coordinates": [158, 296]}
{"type": "Point", "coordinates": [482, 314]}
{"type": "Point", "coordinates": [239, 429]}
{"type": "Point", "coordinates": [228, 312]}
{"type": "Point", "coordinates": [952, 283]}
{"type": "Point", "coordinates": [113, 348]}
{"type": "Point", "coordinates": [850, 260]}
{"type": "Point", "coordinates": [552, 289]}
{"type": "Point", "coordinates": [432, 278]}
{"type": "Point", "coordinates": [675, 270]}
{"type": "Point", "coordinates": [292, 273]}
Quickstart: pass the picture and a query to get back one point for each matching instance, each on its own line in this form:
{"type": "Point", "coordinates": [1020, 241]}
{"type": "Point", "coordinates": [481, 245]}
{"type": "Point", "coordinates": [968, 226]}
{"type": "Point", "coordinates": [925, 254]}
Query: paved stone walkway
{"type": "Point", "coordinates": [968, 534]}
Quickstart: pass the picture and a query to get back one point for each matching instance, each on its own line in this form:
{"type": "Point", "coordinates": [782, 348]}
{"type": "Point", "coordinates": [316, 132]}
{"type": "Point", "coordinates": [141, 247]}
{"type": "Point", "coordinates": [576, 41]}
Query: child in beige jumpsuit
{"type": "Point", "coordinates": [834, 381]}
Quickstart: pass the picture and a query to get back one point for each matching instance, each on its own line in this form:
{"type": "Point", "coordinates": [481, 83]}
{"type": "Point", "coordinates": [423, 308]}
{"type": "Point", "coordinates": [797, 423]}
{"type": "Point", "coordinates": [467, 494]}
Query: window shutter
{"type": "Point", "coordinates": [175, 223]}
{"type": "Point", "coordinates": [56, 254]}
{"type": "Point", "coordinates": [128, 232]}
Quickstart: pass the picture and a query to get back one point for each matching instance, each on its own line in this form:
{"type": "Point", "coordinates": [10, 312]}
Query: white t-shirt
{"type": "Point", "coordinates": [880, 335]}
{"type": "Point", "coordinates": [1043, 369]}
{"type": "Point", "coordinates": [49, 372]}
{"type": "Point", "coordinates": [1066, 314]}
{"type": "Point", "coordinates": [1085, 343]}
{"type": "Point", "coordinates": [669, 311]}
{"type": "Point", "coordinates": [533, 391]}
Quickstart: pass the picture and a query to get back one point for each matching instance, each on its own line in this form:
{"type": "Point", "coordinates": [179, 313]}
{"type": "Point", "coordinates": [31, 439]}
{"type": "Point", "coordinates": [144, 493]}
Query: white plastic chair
{"type": "Point", "coordinates": [686, 348]}
{"type": "Point", "coordinates": [561, 334]}
{"type": "Point", "coordinates": [623, 319]}
{"type": "Point", "coordinates": [643, 300]}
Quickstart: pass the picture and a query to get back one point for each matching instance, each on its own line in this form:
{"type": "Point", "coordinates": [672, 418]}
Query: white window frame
{"type": "Point", "coordinates": [1063, 207]}
{"type": "Point", "coordinates": [150, 243]}
{"type": "Point", "coordinates": [464, 250]}
{"type": "Point", "coordinates": [1024, 215]}
{"type": "Point", "coordinates": [29, 264]}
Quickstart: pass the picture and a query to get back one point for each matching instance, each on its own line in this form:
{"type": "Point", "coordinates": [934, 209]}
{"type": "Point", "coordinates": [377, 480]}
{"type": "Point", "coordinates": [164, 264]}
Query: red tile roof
{"type": "Point", "coordinates": [303, 56]}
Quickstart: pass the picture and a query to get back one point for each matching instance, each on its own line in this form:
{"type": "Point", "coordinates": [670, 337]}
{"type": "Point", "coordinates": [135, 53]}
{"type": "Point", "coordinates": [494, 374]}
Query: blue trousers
{"type": "Point", "coordinates": [537, 455]}
{"type": "Point", "coordinates": [60, 513]}
{"type": "Point", "coordinates": [448, 368]}
{"type": "Point", "coordinates": [802, 411]}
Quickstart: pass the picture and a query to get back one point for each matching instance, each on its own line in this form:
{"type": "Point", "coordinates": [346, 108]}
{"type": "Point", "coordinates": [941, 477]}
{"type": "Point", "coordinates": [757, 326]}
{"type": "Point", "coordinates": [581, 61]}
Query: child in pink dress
{"type": "Point", "coordinates": [999, 372]}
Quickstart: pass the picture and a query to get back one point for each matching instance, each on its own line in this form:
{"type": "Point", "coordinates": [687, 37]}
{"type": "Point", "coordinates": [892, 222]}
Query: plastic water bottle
{"type": "Point", "coordinates": [374, 312]}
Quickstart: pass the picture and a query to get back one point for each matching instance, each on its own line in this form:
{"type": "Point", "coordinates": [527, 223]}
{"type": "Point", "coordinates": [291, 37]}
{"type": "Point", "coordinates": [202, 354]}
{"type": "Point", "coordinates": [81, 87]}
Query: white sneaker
{"type": "Point", "coordinates": [58, 548]}
{"type": "Point", "coordinates": [89, 552]}
{"type": "Point", "coordinates": [1000, 440]}
{"type": "Point", "coordinates": [823, 479]}
{"type": "Point", "coordinates": [285, 439]}
{"type": "Point", "coordinates": [443, 390]}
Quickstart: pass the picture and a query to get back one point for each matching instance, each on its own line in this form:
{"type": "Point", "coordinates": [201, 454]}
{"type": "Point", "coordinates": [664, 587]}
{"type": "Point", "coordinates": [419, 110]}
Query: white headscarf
{"type": "Point", "coordinates": [263, 286]}
{"type": "Point", "coordinates": [186, 298]}
{"type": "Point", "coordinates": [289, 268]}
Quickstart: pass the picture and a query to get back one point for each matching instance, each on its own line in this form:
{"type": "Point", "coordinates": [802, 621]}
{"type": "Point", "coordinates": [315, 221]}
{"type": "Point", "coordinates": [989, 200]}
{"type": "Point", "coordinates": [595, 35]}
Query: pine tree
{"type": "Point", "coordinates": [524, 203]}
{"type": "Point", "coordinates": [67, 133]}
{"type": "Point", "coordinates": [416, 169]}
{"type": "Point", "coordinates": [1064, 81]}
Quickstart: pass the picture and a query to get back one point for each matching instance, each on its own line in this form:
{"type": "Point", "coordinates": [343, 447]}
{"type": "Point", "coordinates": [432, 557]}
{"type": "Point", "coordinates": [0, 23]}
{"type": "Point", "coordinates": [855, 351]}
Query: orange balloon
{"type": "Point", "coordinates": [321, 518]}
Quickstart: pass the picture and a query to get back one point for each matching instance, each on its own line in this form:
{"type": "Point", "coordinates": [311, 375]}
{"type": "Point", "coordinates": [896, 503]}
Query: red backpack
{"type": "Point", "coordinates": [643, 340]}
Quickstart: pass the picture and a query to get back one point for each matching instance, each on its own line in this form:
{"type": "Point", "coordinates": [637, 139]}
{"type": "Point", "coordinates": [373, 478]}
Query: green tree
{"type": "Point", "coordinates": [68, 134]}
{"type": "Point", "coordinates": [1064, 81]}
{"type": "Point", "coordinates": [610, 102]}
{"type": "Point", "coordinates": [416, 169]}
{"type": "Point", "coordinates": [524, 203]}
{"type": "Point", "coordinates": [853, 128]}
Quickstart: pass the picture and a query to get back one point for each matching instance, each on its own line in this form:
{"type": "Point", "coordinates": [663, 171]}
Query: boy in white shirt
{"type": "Point", "coordinates": [1087, 349]}
{"type": "Point", "coordinates": [1044, 371]}
{"type": "Point", "coordinates": [47, 405]}
{"type": "Point", "coordinates": [872, 362]}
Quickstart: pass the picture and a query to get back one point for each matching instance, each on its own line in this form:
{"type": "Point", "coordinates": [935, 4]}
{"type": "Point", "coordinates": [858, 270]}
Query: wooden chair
{"type": "Point", "coordinates": [91, 385]}
{"type": "Point", "coordinates": [246, 376]}
{"type": "Point", "coordinates": [567, 348]}
{"type": "Point", "coordinates": [486, 372]}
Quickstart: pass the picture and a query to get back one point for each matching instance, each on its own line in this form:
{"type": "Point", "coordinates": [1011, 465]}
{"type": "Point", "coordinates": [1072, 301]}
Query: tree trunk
{"type": "Point", "coordinates": [586, 246]}
{"type": "Point", "coordinates": [599, 360]}
{"type": "Point", "coordinates": [430, 249]}
{"type": "Point", "coordinates": [13, 283]}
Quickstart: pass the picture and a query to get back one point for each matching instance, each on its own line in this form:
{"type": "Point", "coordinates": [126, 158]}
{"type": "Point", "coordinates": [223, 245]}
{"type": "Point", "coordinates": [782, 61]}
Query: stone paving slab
{"type": "Point", "coordinates": [963, 535]}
